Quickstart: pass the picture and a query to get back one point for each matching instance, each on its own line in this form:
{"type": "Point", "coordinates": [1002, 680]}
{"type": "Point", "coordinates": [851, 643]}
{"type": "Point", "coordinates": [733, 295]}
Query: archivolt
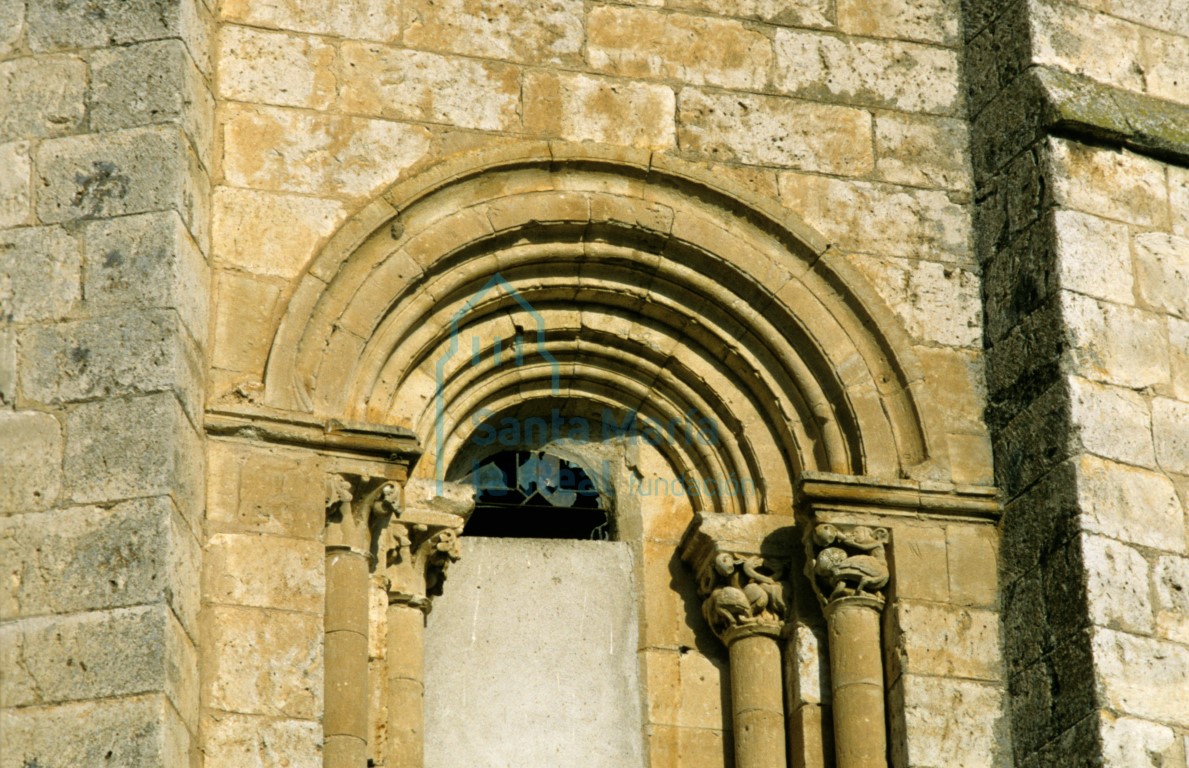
{"type": "Point", "coordinates": [644, 284]}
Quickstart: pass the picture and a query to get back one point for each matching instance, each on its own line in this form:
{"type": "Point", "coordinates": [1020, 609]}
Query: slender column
{"type": "Point", "coordinates": [419, 541]}
{"type": "Point", "coordinates": [849, 569]}
{"type": "Point", "coordinates": [348, 556]}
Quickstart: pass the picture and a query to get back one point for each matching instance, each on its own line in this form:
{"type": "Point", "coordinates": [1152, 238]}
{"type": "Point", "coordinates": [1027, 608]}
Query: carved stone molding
{"type": "Point", "coordinates": [848, 561]}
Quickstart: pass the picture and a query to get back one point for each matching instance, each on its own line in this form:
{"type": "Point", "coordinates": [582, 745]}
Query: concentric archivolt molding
{"type": "Point", "coordinates": [643, 284]}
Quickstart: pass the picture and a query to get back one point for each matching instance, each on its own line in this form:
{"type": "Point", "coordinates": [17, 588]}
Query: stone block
{"type": "Point", "coordinates": [1117, 585]}
{"type": "Point", "coordinates": [256, 489]}
{"type": "Point", "coordinates": [1130, 504]}
{"type": "Point", "coordinates": [1142, 676]}
{"type": "Point", "coordinates": [1115, 344]}
{"type": "Point", "coordinates": [1112, 184]}
{"type": "Point", "coordinates": [1178, 196]}
{"type": "Point", "coordinates": [767, 130]}
{"type": "Point", "coordinates": [105, 23]}
{"type": "Point", "coordinates": [95, 558]}
{"type": "Point", "coordinates": [40, 271]}
{"type": "Point", "coordinates": [792, 13]}
{"type": "Point", "coordinates": [270, 234]}
{"type": "Point", "coordinates": [875, 73]}
{"type": "Point", "coordinates": [134, 352]}
{"type": "Point", "coordinates": [30, 460]}
{"type": "Point", "coordinates": [1170, 579]}
{"type": "Point", "coordinates": [142, 446]}
{"type": "Point", "coordinates": [1178, 352]}
{"type": "Point", "coordinates": [287, 150]}
{"type": "Point", "coordinates": [1162, 272]}
{"type": "Point", "coordinates": [698, 50]}
{"type": "Point", "coordinates": [929, 21]}
{"type": "Point", "coordinates": [921, 150]}
{"type": "Point", "coordinates": [45, 97]}
{"type": "Point", "coordinates": [121, 652]}
{"type": "Point", "coordinates": [973, 564]}
{"type": "Point", "coordinates": [882, 219]}
{"type": "Point", "coordinates": [138, 730]}
{"type": "Point", "coordinates": [248, 741]}
{"type": "Point", "coordinates": [1112, 422]}
{"type": "Point", "coordinates": [938, 303]}
{"type": "Point", "coordinates": [362, 20]}
{"type": "Point", "coordinates": [954, 722]}
{"type": "Point", "coordinates": [146, 260]}
{"type": "Point", "coordinates": [15, 201]}
{"type": "Point", "coordinates": [946, 641]}
{"type": "Point", "coordinates": [1165, 60]}
{"type": "Point", "coordinates": [264, 572]}
{"type": "Point", "coordinates": [276, 68]}
{"type": "Point", "coordinates": [548, 32]}
{"type": "Point", "coordinates": [426, 87]}
{"type": "Point", "coordinates": [1170, 433]}
{"type": "Point", "coordinates": [243, 329]}
{"type": "Point", "coordinates": [674, 747]}
{"type": "Point", "coordinates": [151, 83]}
{"type": "Point", "coordinates": [1093, 256]}
{"type": "Point", "coordinates": [1070, 38]}
{"type": "Point", "coordinates": [12, 24]}
{"type": "Point", "coordinates": [8, 367]}
{"type": "Point", "coordinates": [919, 563]}
{"type": "Point", "coordinates": [118, 173]}
{"type": "Point", "coordinates": [1128, 742]}
{"type": "Point", "coordinates": [1035, 440]}
{"type": "Point", "coordinates": [808, 667]}
{"type": "Point", "coordinates": [581, 108]}
{"type": "Point", "coordinates": [269, 662]}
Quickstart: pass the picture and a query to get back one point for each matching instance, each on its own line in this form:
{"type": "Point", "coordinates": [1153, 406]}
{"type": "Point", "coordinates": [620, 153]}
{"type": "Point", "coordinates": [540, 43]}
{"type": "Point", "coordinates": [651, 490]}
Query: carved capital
{"type": "Point", "coordinates": [847, 561]}
{"type": "Point", "coordinates": [419, 540]}
{"type": "Point", "coordinates": [350, 510]}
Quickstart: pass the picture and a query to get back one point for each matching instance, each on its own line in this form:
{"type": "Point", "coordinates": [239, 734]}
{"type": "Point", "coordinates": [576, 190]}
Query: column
{"type": "Point", "coordinates": [849, 569]}
{"type": "Point", "coordinates": [419, 541]}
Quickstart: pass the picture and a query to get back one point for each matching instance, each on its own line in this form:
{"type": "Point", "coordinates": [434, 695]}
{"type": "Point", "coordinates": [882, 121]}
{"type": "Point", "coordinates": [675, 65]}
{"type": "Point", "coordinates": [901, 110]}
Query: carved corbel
{"type": "Point", "coordinates": [848, 562]}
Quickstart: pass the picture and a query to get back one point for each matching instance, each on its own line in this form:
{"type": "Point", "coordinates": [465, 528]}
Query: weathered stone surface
{"type": "Point", "coordinates": [268, 663]}
{"type": "Point", "coordinates": [40, 271]}
{"type": "Point", "coordinates": [547, 32]}
{"type": "Point", "coordinates": [264, 572]}
{"type": "Point", "coordinates": [8, 367]}
{"type": "Point", "coordinates": [698, 50]}
{"type": "Point", "coordinates": [1178, 196]}
{"type": "Point", "coordinates": [1129, 742]}
{"type": "Point", "coordinates": [938, 303]}
{"type": "Point", "coordinates": [930, 21]}
{"type": "Point", "coordinates": [30, 460]}
{"type": "Point", "coordinates": [1115, 344]}
{"type": "Point", "coordinates": [149, 260]}
{"type": "Point", "coordinates": [1069, 37]}
{"type": "Point", "coordinates": [1170, 433]}
{"type": "Point", "coordinates": [241, 340]}
{"type": "Point", "coordinates": [973, 557]}
{"type": "Point", "coordinates": [292, 151]}
{"type": "Point", "coordinates": [120, 652]}
{"type": "Point", "coordinates": [1178, 349]}
{"type": "Point", "coordinates": [793, 13]}
{"type": "Point", "coordinates": [117, 173]}
{"type": "Point", "coordinates": [427, 87]}
{"type": "Point", "coordinates": [139, 730]}
{"type": "Point", "coordinates": [275, 68]}
{"type": "Point", "coordinates": [953, 722]}
{"type": "Point", "coordinates": [921, 571]}
{"type": "Point", "coordinates": [1142, 676]}
{"type": "Point", "coordinates": [270, 234]}
{"type": "Point", "coordinates": [14, 183]}
{"type": "Point", "coordinates": [1170, 580]}
{"type": "Point", "coordinates": [921, 150]}
{"type": "Point", "coordinates": [246, 741]}
{"type": "Point", "coordinates": [77, 25]}
{"type": "Point", "coordinates": [1165, 61]}
{"type": "Point", "coordinates": [883, 219]}
{"type": "Point", "coordinates": [1130, 504]}
{"type": "Point", "coordinates": [1162, 272]}
{"type": "Point", "coordinates": [1111, 184]}
{"type": "Point", "coordinates": [767, 130]}
{"type": "Point", "coordinates": [12, 24]}
{"type": "Point", "coordinates": [118, 449]}
{"type": "Point", "coordinates": [129, 353]}
{"type": "Point", "coordinates": [582, 108]}
{"type": "Point", "coordinates": [45, 96]}
{"type": "Point", "coordinates": [1094, 256]}
{"type": "Point", "coordinates": [904, 76]}
{"type": "Point", "coordinates": [366, 19]}
{"type": "Point", "coordinates": [948, 642]}
{"type": "Point", "coordinates": [92, 558]}
{"type": "Point", "coordinates": [1112, 422]}
{"type": "Point", "coordinates": [264, 490]}
{"type": "Point", "coordinates": [1117, 585]}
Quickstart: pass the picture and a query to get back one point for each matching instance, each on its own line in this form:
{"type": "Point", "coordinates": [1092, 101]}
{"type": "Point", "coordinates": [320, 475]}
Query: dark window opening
{"type": "Point", "coordinates": [533, 494]}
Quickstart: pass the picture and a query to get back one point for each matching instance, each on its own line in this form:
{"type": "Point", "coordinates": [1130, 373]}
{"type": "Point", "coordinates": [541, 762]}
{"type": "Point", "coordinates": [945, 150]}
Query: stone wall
{"type": "Point", "coordinates": [1080, 153]}
{"type": "Point", "coordinates": [106, 115]}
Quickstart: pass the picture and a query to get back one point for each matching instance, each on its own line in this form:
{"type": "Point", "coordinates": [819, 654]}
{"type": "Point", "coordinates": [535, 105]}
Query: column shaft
{"type": "Point", "coordinates": [406, 663]}
{"type": "Point", "coordinates": [345, 658]}
{"type": "Point", "coordinates": [856, 675]}
{"type": "Point", "coordinates": [757, 700]}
